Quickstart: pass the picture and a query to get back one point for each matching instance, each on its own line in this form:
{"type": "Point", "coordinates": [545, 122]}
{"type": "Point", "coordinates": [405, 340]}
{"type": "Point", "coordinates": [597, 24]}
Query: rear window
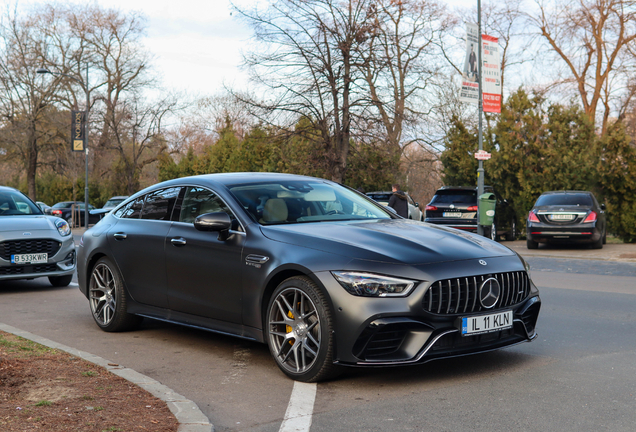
{"type": "Point", "coordinates": [455, 197]}
{"type": "Point", "coordinates": [565, 199]}
{"type": "Point", "coordinates": [380, 196]}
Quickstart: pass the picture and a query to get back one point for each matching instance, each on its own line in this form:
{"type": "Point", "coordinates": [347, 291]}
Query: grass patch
{"type": "Point", "coordinates": [44, 403]}
{"type": "Point", "coordinates": [24, 347]}
{"type": "Point", "coordinates": [89, 374]}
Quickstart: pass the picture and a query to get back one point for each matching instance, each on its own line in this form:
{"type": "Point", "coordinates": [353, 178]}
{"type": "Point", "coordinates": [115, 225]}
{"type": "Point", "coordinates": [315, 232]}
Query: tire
{"type": "Point", "coordinates": [605, 237]}
{"type": "Point", "coordinates": [108, 299]}
{"type": "Point", "coordinates": [512, 234]}
{"type": "Point", "coordinates": [60, 281]}
{"type": "Point", "coordinates": [598, 244]}
{"type": "Point", "coordinates": [532, 244]}
{"type": "Point", "coordinates": [493, 232]}
{"type": "Point", "coordinates": [299, 331]}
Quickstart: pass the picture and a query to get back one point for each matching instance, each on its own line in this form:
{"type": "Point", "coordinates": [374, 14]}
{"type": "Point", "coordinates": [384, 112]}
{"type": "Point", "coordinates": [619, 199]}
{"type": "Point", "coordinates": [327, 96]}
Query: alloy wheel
{"type": "Point", "coordinates": [103, 294]}
{"type": "Point", "coordinates": [294, 330]}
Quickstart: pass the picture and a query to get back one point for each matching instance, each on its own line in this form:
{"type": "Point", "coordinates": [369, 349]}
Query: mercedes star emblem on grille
{"type": "Point", "coordinates": [482, 262]}
{"type": "Point", "coordinates": [489, 293]}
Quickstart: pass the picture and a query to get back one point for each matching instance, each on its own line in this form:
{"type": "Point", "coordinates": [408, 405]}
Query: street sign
{"type": "Point", "coordinates": [78, 131]}
{"type": "Point", "coordinates": [482, 155]}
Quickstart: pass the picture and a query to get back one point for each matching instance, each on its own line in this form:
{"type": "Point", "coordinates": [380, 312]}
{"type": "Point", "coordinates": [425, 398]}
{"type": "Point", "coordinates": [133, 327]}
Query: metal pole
{"type": "Point", "coordinates": [88, 101]}
{"type": "Point", "coordinates": [480, 169]}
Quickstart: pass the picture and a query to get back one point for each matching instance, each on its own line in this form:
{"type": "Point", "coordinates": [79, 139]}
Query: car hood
{"type": "Point", "coordinates": [26, 223]}
{"type": "Point", "coordinates": [393, 241]}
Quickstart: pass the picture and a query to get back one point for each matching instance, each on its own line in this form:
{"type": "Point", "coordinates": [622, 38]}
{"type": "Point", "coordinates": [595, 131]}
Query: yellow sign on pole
{"type": "Point", "coordinates": [78, 130]}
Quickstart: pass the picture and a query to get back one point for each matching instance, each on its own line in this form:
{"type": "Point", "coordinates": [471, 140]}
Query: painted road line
{"type": "Point", "coordinates": [300, 408]}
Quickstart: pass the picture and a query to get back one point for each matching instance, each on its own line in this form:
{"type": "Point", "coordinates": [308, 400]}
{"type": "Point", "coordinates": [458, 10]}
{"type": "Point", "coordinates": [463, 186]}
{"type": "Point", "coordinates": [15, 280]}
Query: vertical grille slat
{"type": "Point", "coordinates": [460, 295]}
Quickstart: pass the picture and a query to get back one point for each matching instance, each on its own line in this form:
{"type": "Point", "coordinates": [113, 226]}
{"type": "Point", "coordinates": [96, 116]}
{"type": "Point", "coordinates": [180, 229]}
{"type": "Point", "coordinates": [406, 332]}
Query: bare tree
{"type": "Point", "coordinates": [593, 39]}
{"type": "Point", "coordinates": [399, 65]}
{"type": "Point", "coordinates": [305, 59]}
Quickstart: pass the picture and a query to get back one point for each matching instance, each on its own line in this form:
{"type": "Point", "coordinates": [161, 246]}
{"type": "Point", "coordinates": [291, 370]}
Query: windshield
{"type": "Point", "coordinates": [304, 201]}
{"type": "Point", "coordinates": [565, 199]}
{"type": "Point", "coordinates": [16, 204]}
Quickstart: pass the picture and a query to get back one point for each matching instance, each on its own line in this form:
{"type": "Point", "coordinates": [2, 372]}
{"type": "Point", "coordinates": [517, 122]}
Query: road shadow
{"type": "Point", "coordinates": [33, 285]}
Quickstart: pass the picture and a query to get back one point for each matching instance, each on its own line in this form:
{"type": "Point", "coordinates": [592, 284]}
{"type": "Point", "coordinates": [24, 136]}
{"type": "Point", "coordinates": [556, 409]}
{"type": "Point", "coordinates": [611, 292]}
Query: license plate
{"type": "Point", "coordinates": [30, 258]}
{"type": "Point", "coordinates": [475, 325]}
{"type": "Point", "coordinates": [452, 214]}
{"type": "Point", "coordinates": [562, 216]}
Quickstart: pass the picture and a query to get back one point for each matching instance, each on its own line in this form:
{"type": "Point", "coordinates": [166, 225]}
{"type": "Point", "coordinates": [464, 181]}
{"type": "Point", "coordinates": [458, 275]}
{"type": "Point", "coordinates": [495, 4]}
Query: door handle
{"type": "Point", "coordinates": [179, 241]}
{"type": "Point", "coordinates": [120, 236]}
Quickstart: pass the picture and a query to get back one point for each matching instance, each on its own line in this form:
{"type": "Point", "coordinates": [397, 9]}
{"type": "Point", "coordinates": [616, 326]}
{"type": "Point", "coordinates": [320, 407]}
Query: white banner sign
{"type": "Point", "coordinates": [491, 74]}
{"type": "Point", "coordinates": [470, 86]}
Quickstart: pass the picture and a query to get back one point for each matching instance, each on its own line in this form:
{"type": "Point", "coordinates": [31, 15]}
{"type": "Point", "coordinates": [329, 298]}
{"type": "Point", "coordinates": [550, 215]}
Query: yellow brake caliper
{"type": "Point", "coordinates": [288, 328]}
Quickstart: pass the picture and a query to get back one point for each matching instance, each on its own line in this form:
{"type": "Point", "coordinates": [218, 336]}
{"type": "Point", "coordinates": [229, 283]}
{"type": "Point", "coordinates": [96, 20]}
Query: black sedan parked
{"type": "Point", "coordinates": [69, 210]}
{"type": "Point", "coordinates": [320, 273]}
{"type": "Point", "coordinates": [567, 217]}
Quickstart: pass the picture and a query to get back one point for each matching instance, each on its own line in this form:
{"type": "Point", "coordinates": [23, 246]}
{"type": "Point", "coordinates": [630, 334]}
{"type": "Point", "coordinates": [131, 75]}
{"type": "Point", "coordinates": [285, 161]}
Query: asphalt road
{"type": "Point", "coordinates": [578, 375]}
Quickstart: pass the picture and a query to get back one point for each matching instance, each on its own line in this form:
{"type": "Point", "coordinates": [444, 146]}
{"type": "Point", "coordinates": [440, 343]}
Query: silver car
{"type": "Point", "coordinates": [33, 244]}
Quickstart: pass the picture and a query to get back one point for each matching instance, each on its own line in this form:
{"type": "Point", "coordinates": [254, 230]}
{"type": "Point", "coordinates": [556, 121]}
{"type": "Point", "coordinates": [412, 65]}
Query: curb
{"type": "Point", "coordinates": [188, 414]}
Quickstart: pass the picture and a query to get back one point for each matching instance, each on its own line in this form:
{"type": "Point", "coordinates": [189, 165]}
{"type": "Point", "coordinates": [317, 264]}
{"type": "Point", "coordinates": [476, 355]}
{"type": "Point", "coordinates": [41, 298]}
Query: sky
{"type": "Point", "coordinates": [196, 44]}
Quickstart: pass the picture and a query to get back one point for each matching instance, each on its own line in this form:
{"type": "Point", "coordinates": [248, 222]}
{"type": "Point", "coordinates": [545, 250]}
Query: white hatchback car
{"type": "Point", "coordinates": [33, 244]}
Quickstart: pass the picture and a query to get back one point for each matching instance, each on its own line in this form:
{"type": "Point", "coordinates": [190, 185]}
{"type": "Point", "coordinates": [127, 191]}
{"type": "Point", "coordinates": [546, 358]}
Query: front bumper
{"type": "Point", "coordinates": [373, 332]}
{"type": "Point", "coordinates": [63, 262]}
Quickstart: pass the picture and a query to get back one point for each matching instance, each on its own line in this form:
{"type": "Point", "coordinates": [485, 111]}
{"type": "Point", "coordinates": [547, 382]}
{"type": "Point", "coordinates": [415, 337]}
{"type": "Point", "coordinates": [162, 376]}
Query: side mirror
{"type": "Point", "coordinates": [603, 207]}
{"type": "Point", "coordinates": [215, 222]}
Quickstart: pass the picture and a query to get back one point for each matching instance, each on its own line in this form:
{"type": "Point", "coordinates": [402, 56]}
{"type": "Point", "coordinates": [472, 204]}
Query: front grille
{"type": "Point", "coordinates": [15, 247]}
{"type": "Point", "coordinates": [28, 269]}
{"type": "Point", "coordinates": [460, 295]}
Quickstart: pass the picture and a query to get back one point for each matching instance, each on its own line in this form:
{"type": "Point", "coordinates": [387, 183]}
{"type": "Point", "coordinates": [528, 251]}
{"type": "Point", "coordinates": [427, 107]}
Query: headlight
{"type": "Point", "coordinates": [62, 227]}
{"type": "Point", "coordinates": [373, 285]}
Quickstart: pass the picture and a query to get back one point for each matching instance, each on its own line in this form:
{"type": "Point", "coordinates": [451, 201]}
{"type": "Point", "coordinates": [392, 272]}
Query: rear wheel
{"type": "Point", "coordinates": [108, 300]}
{"type": "Point", "coordinates": [512, 234]}
{"type": "Point", "coordinates": [598, 244]}
{"type": "Point", "coordinates": [299, 331]}
{"type": "Point", "coordinates": [532, 244]}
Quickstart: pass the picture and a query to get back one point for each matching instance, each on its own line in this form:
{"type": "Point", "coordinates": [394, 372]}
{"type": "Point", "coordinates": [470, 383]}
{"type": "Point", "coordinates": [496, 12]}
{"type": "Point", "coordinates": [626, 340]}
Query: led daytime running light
{"type": "Point", "coordinates": [372, 285]}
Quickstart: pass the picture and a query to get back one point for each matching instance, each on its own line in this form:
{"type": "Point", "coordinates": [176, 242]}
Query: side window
{"type": "Point", "coordinates": [159, 204]}
{"type": "Point", "coordinates": [198, 201]}
{"type": "Point", "coordinates": [132, 210]}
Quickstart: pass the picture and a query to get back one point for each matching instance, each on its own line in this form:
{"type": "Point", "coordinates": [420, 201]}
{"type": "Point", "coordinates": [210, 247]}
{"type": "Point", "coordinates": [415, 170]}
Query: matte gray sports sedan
{"type": "Point", "coordinates": [320, 273]}
{"type": "Point", "coordinates": [33, 244]}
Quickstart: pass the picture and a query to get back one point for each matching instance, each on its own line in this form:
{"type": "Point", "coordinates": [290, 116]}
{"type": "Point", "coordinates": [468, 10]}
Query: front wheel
{"type": "Point", "coordinates": [107, 298]}
{"type": "Point", "coordinates": [299, 330]}
{"type": "Point", "coordinates": [60, 281]}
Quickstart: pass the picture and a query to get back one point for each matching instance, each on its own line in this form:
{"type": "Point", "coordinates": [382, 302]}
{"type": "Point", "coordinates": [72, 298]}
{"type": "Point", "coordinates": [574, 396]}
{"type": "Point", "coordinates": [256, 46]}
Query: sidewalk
{"type": "Point", "coordinates": [624, 252]}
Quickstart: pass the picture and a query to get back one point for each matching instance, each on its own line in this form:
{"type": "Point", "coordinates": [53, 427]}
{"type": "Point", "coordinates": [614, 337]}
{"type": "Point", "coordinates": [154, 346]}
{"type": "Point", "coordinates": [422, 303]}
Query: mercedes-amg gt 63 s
{"type": "Point", "coordinates": [323, 275]}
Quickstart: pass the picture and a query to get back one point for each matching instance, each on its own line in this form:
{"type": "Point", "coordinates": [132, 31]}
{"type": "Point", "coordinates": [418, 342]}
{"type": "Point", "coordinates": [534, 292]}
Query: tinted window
{"type": "Point", "coordinates": [455, 197]}
{"type": "Point", "coordinates": [565, 199]}
{"type": "Point", "coordinates": [158, 205]}
{"type": "Point", "coordinates": [132, 210]}
{"type": "Point", "coordinates": [198, 201]}
{"type": "Point", "coordinates": [380, 196]}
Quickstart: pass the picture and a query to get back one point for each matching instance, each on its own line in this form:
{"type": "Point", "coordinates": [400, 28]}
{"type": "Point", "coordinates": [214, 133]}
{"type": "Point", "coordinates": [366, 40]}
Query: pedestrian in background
{"type": "Point", "coordinates": [398, 201]}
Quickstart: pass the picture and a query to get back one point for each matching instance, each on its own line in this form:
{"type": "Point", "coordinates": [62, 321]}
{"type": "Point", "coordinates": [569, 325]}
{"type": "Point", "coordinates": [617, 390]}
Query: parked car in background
{"type": "Point", "coordinates": [65, 209]}
{"type": "Point", "coordinates": [456, 207]}
{"type": "Point", "coordinates": [414, 208]}
{"type": "Point", "coordinates": [33, 244]}
{"type": "Point", "coordinates": [46, 209]}
{"type": "Point", "coordinates": [567, 217]}
{"type": "Point", "coordinates": [323, 275]}
{"type": "Point", "coordinates": [110, 204]}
